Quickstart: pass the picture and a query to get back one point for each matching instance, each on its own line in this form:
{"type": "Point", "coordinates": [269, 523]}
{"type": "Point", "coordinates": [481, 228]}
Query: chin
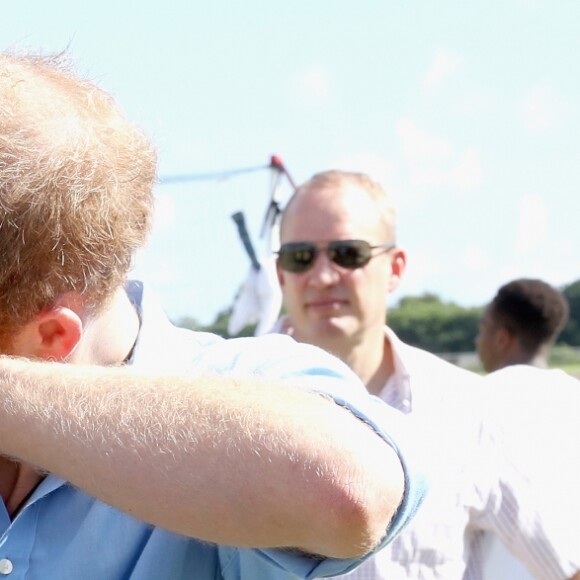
{"type": "Point", "coordinates": [330, 329]}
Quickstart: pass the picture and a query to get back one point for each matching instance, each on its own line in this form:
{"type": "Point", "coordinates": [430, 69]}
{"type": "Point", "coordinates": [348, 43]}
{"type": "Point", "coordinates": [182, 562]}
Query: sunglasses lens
{"type": "Point", "coordinates": [297, 257]}
{"type": "Point", "coordinates": [350, 254]}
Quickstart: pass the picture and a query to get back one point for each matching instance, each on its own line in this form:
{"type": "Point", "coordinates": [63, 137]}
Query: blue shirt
{"type": "Point", "coordinates": [64, 534]}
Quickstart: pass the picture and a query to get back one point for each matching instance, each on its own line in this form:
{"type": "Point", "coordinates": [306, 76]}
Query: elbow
{"type": "Point", "coordinates": [363, 506]}
{"type": "Point", "coordinates": [369, 512]}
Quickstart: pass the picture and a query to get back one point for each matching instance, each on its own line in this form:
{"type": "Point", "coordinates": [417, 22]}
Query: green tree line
{"type": "Point", "coordinates": [431, 323]}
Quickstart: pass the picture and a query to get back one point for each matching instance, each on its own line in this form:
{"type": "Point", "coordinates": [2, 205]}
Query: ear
{"type": "Point", "coordinates": [398, 265]}
{"type": "Point", "coordinates": [505, 340]}
{"type": "Point", "coordinates": [50, 335]}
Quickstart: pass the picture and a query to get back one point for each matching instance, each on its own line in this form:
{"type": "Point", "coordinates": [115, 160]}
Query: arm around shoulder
{"type": "Point", "coordinates": [234, 461]}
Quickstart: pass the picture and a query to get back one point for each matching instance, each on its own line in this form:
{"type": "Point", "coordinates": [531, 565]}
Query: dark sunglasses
{"type": "Point", "coordinates": [351, 254]}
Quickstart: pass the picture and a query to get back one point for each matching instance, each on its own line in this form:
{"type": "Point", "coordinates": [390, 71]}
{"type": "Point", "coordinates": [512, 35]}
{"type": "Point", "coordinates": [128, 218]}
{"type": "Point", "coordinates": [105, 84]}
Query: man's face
{"type": "Point", "coordinates": [329, 305]}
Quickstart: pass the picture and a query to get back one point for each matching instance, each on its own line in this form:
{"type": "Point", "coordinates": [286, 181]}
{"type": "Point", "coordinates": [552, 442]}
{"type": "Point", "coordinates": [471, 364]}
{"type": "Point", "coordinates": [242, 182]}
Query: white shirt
{"type": "Point", "coordinates": [541, 435]}
{"type": "Point", "coordinates": [474, 488]}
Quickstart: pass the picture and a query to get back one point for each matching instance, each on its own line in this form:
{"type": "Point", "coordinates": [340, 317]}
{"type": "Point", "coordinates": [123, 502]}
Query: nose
{"type": "Point", "coordinates": [324, 272]}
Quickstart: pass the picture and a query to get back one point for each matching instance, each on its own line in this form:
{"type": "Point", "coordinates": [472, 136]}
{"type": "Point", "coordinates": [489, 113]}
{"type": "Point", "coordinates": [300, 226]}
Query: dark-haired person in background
{"type": "Point", "coordinates": [536, 408]}
{"type": "Point", "coordinates": [521, 324]}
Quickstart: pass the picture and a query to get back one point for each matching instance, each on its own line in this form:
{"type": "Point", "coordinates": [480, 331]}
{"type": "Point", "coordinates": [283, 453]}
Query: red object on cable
{"type": "Point", "coordinates": [276, 163]}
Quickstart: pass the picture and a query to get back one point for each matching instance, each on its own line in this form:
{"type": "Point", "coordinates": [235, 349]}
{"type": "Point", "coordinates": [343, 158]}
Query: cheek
{"type": "Point", "coordinates": [370, 291]}
{"type": "Point", "coordinates": [483, 348]}
{"type": "Point", "coordinates": [373, 279]}
{"type": "Point", "coordinates": [292, 287]}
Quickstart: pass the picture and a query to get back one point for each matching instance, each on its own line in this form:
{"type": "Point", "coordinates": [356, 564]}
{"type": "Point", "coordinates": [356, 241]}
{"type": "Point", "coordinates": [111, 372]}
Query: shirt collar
{"type": "Point", "coordinates": [397, 390]}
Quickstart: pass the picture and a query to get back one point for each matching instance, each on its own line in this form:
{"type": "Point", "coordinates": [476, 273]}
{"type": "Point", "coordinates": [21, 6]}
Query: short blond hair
{"type": "Point", "coordinates": [76, 183]}
{"type": "Point", "coordinates": [337, 178]}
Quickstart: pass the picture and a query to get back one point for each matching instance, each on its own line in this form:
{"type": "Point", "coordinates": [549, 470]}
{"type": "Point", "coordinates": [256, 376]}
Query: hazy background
{"type": "Point", "coordinates": [467, 112]}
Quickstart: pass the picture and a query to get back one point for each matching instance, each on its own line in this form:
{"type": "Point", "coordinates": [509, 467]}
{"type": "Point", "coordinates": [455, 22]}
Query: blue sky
{"type": "Point", "coordinates": [467, 112]}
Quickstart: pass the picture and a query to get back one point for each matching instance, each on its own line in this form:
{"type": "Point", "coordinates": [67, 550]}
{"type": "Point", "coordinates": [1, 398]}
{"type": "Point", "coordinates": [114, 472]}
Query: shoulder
{"type": "Point", "coordinates": [422, 365]}
{"type": "Point", "coordinates": [534, 398]}
{"type": "Point", "coordinates": [274, 355]}
{"type": "Point", "coordinates": [528, 379]}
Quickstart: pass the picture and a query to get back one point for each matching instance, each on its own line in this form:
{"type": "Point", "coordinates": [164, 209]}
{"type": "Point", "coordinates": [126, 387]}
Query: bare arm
{"type": "Point", "coordinates": [576, 576]}
{"type": "Point", "coordinates": [234, 462]}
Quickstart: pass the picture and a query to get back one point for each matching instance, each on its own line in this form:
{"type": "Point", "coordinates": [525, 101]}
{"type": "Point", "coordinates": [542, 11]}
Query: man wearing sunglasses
{"type": "Point", "coordinates": [337, 264]}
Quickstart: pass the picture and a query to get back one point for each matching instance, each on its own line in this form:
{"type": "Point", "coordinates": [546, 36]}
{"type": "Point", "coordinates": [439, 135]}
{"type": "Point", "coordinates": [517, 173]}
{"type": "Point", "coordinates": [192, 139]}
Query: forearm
{"type": "Point", "coordinates": [225, 460]}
